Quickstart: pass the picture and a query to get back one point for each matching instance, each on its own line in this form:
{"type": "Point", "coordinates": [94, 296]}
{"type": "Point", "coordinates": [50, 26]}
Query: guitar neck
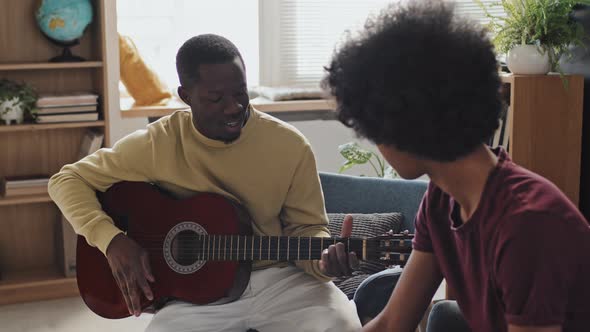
{"type": "Point", "coordinates": [280, 248]}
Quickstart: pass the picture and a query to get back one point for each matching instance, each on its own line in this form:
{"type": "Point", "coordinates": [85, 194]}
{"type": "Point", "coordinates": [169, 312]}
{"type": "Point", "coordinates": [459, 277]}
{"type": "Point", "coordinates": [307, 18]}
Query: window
{"type": "Point", "coordinates": [471, 9]}
{"type": "Point", "coordinates": [283, 42]}
{"type": "Point", "coordinates": [158, 28]}
{"type": "Point", "coordinates": [298, 37]}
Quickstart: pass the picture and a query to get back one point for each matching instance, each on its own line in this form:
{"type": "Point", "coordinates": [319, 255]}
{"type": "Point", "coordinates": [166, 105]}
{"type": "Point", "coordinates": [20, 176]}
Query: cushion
{"type": "Point", "coordinates": [289, 93]}
{"type": "Point", "coordinates": [364, 225]}
{"type": "Point", "coordinates": [141, 82]}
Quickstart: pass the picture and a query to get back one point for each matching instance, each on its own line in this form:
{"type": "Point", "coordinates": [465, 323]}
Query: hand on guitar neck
{"type": "Point", "coordinates": [131, 269]}
{"type": "Point", "coordinates": [335, 261]}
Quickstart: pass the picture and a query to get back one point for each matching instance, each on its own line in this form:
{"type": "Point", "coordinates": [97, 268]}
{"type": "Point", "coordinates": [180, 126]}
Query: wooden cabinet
{"type": "Point", "coordinates": [30, 236]}
{"type": "Point", "coordinates": [546, 127]}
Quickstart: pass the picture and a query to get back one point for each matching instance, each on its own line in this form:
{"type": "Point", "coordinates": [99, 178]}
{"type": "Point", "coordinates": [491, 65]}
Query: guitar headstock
{"type": "Point", "coordinates": [390, 248]}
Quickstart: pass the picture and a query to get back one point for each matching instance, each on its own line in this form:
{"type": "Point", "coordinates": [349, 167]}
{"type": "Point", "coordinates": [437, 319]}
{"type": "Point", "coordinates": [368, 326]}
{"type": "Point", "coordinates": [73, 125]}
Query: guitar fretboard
{"type": "Point", "coordinates": [280, 248]}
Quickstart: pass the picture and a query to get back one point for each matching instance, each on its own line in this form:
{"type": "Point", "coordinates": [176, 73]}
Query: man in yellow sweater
{"type": "Point", "coordinates": [222, 146]}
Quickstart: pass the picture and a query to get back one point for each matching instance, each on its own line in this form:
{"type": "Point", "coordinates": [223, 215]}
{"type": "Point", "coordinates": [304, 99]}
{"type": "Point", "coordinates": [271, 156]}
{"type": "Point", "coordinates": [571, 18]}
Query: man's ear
{"type": "Point", "coordinates": [183, 95]}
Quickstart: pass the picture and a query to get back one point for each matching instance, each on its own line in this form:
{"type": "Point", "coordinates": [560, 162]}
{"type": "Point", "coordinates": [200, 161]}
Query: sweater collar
{"type": "Point", "coordinates": [246, 130]}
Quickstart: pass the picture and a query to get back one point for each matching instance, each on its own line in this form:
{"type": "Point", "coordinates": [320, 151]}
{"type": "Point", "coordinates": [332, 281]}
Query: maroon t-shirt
{"type": "Point", "coordinates": [523, 258]}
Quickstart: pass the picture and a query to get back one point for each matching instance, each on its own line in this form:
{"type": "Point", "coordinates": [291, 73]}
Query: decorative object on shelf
{"type": "Point", "coordinates": [355, 155]}
{"type": "Point", "coordinates": [17, 101]}
{"type": "Point", "coordinates": [528, 60]}
{"type": "Point", "coordinates": [63, 22]}
{"type": "Point", "coordinates": [544, 26]}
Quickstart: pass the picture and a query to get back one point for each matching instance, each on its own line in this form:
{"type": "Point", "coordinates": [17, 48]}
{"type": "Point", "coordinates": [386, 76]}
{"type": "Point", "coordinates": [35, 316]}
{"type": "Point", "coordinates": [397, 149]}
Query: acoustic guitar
{"type": "Point", "coordinates": [200, 248]}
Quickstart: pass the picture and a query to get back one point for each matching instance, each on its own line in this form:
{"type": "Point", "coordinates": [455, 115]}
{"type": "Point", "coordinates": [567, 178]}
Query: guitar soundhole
{"type": "Point", "coordinates": [184, 247]}
{"type": "Point", "coordinates": [181, 247]}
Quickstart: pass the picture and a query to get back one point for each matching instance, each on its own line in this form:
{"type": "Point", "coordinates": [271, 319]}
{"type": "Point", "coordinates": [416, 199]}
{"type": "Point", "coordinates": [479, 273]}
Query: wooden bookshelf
{"type": "Point", "coordinates": [35, 284]}
{"type": "Point", "coordinates": [50, 65]}
{"type": "Point", "coordinates": [24, 199]}
{"type": "Point", "coordinates": [31, 240]}
{"type": "Point", "coordinates": [49, 126]}
{"type": "Point", "coordinates": [546, 131]}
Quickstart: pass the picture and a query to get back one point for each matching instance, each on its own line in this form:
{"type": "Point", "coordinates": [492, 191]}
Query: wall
{"type": "Point", "coordinates": [119, 126]}
{"type": "Point", "coordinates": [325, 137]}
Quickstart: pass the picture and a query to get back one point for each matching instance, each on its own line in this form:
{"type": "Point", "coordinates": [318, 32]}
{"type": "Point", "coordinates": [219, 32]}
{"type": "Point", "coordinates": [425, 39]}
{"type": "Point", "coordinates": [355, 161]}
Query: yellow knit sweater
{"type": "Point", "coordinates": [270, 169]}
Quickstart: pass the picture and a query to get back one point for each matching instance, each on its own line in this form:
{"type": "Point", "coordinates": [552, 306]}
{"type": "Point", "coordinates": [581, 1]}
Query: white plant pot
{"type": "Point", "coordinates": [528, 60]}
{"type": "Point", "coordinates": [11, 110]}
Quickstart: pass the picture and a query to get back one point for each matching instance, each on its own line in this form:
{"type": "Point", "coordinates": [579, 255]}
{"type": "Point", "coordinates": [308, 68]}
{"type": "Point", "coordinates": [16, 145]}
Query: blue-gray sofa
{"type": "Point", "coordinates": [354, 194]}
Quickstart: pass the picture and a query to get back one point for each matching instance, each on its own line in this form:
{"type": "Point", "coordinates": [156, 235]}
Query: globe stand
{"type": "Point", "coordinates": [67, 56]}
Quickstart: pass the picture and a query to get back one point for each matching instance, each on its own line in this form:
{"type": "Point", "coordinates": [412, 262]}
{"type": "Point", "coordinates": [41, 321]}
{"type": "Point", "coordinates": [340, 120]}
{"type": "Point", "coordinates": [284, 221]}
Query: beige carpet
{"type": "Point", "coordinates": [63, 315]}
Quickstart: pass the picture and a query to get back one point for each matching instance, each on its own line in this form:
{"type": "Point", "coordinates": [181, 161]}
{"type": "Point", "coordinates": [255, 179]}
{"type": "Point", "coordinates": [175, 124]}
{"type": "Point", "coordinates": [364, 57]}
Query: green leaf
{"type": "Point", "coordinates": [347, 165]}
{"type": "Point", "coordinates": [354, 153]}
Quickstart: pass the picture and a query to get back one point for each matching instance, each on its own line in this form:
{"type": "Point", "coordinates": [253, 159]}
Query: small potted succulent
{"type": "Point", "coordinates": [535, 34]}
{"type": "Point", "coordinates": [17, 101]}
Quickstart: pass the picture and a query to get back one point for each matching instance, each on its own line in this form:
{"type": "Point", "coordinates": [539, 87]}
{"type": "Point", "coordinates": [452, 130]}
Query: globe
{"type": "Point", "coordinates": [63, 22]}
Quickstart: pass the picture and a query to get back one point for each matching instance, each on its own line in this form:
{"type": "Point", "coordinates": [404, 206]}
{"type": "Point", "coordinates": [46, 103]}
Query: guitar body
{"type": "Point", "coordinates": [152, 219]}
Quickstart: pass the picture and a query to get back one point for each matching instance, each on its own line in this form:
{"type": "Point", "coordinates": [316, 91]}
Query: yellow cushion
{"type": "Point", "coordinates": [142, 83]}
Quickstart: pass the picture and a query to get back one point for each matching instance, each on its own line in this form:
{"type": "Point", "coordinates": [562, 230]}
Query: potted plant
{"type": "Point", "coordinates": [355, 155]}
{"type": "Point", "coordinates": [17, 101]}
{"type": "Point", "coordinates": [535, 34]}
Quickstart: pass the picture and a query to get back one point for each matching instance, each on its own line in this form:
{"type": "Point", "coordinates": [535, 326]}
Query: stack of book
{"type": "Point", "coordinates": [71, 107]}
{"type": "Point", "coordinates": [23, 185]}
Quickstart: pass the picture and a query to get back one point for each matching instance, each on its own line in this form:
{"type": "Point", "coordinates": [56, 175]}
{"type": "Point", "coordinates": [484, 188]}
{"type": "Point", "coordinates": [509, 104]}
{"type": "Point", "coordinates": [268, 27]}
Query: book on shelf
{"type": "Point", "coordinates": [23, 185]}
{"type": "Point", "coordinates": [91, 142]}
{"type": "Point", "coordinates": [66, 109]}
{"type": "Point", "coordinates": [67, 99]}
{"type": "Point", "coordinates": [67, 261]}
{"type": "Point", "coordinates": [68, 117]}
{"type": "Point", "coordinates": [497, 134]}
{"type": "Point", "coordinates": [502, 135]}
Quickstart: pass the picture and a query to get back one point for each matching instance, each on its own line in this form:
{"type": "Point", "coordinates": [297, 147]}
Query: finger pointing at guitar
{"type": "Point", "coordinates": [335, 261]}
{"type": "Point", "coordinates": [131, 269]}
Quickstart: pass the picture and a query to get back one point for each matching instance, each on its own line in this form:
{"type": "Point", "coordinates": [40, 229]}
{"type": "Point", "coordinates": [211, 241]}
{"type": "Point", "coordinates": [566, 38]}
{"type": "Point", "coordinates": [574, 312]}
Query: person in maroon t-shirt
{"type": "Point", "coordinates": [423, 85]}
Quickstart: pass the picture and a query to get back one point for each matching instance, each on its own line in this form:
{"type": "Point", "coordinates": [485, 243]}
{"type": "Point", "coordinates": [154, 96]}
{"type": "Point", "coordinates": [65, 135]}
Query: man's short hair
{"type": "Point", "coordinates": [203, 49]}
{"type": "Point", "coordinates": [418, 78]}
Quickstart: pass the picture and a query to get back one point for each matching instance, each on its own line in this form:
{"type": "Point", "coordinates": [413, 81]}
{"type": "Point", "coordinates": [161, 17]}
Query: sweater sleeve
{"type": "Point", "coordinates": [74, 187]}
{"type": "Point", "coordinates": [304, 212]}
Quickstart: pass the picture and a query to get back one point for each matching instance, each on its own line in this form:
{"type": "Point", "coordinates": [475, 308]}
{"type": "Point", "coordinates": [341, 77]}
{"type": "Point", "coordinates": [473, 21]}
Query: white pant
{"type": "Point", "coordinates": [276, 299]}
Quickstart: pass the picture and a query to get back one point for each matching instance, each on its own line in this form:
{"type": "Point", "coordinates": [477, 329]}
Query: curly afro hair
{"type": "Point", "coordinates": [203, 49]}
{"type": "Point", "coordinates": [420, 79]}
